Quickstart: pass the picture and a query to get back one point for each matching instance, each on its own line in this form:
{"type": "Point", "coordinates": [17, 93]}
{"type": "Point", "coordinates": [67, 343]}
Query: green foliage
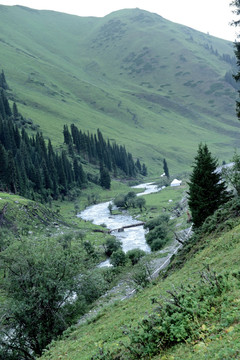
{"type": "Point", "coordinates": [105, 180]}
{"type": "Point", "coordinates": [112, 244]}
{"type": "Point", "coordinates": [135, 255]}
{"type": "Point", "coordinates": [92, 285]}
{"type": "Point", "coordinates": [158, 234]}
{"type": "Point", "coordinates": [141, 275]}
{"type": "Point", "coordinates": [140, 203]}
{"type": "Point", "coordinates": [41, 279]}
{"type": "Point", "coordinates": [165, 168]}
{"type": "Point", "coordinates": [224, 218]}
{"type": "Point", "coordinates": [129, 200]}
{"type": "Point", "coordinates": [207, 190]}
{"type": "Point", "coordinates": [118, 258]}
{"type": "Point", "coordinates": [3, 82]}
{"type": "Point", "coordinates": [177, 318]}
{"type": "Point", "coordinates": [31, 168]}
{"type": "Point", "coordinates": [119, 201]}
{"type": "Point", "coordinates": [96, 149]}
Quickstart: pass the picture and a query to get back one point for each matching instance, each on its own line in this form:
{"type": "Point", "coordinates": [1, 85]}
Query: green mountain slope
{"type": "Point", "coordinates": [155, 86]}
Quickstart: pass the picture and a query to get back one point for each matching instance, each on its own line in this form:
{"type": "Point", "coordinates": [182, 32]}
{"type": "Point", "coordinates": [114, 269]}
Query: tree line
{"type": "Point", "coordinates": [29, 166]}
{"type": "Point", "coordinates": [96, 150]}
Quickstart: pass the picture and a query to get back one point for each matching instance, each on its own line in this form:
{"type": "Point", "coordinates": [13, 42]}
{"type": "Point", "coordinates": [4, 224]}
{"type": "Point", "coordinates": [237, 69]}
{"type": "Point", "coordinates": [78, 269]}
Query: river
{"type": "Point", "coordinates": [131, 238]}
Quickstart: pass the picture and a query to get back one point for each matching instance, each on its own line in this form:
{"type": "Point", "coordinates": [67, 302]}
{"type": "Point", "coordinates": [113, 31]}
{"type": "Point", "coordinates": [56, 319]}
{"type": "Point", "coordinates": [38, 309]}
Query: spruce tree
{"type": "Point", "coordinates": [105, 180]}
{"type": "Point", "coordinates": [144, 170]}
{"type": "Point", "coordinates": [3, 82]}
{"type": "Point", "coordinates": [165, 168]}
{"type": "Point", "coordinates": [207, 191]}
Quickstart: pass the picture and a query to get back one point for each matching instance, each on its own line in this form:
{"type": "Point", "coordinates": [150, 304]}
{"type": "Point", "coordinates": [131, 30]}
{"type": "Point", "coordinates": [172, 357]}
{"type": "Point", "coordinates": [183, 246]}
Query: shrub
{"type": "Point", "coordinates": [92, 286]}
{"type": "Point", "coordinates": [151, 224]}
{"type": "Point", "coordinates": [158, 232]}
{"type": "Point", "coordinates": [119, 201]}
{"type": "Point", "coordinates": [135, 255]}
{"type": "Point", "coordinates": [111, 245]}
{"type": "Point", "coordinates": [158, 244]}
{"type": "Point", "coordinates": [118, 258]}
{"type": "Point", "coordinates": [142, 275]}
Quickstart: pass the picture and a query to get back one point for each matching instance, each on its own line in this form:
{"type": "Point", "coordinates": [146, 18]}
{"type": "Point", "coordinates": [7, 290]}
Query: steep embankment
{"type": "Point", "coordinates": [216, 330]}
{"type": "Point", "coordinates": [21, 215]}
{"type": "Point", "coordinates": [155, 86]}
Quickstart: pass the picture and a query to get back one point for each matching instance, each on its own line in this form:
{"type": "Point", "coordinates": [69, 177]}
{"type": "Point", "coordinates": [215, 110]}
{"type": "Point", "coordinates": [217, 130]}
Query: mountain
{"type": "Point", "coordinates": [150, 84]}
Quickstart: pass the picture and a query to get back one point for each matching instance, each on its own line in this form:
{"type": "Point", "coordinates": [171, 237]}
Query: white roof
{"type": "Point", "coordinates": [176, 182]}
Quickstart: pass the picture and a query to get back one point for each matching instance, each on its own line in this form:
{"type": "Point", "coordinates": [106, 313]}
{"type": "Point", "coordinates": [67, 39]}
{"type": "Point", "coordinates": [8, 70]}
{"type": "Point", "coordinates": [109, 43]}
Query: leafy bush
{"type": "Point", "coordinates": [142, 275]}
{"type": "Point", "coordinates": [158, 232]}
{"type": "Point", "coordinates": [111, 245]}
{"type": "Point", "coordinates": [158, 244]}
{"type": "Point", "coordinates": [151, 224]}
{"type": "Point", "coordinates": [40, 283]}
{"type": "Point", "coordinates": [92, 285]}
{"type": "Point", "coordinates": [223, 217]}
{"type": "Point", "coordinates": [177, 318]}
{"type": "Point", "coordinates": [135, 255]}
{"type": "Point", "coordinates": [118, 258]}
{"type": "Point", "coordinates": [119, 201]}
{"type": "Point", "coordinates": [126, 201]}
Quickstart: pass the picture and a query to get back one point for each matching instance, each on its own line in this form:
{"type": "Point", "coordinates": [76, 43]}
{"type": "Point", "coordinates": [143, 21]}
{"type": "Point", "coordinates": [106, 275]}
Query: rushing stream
{"type": "Point", "coordinates": [131, 238]}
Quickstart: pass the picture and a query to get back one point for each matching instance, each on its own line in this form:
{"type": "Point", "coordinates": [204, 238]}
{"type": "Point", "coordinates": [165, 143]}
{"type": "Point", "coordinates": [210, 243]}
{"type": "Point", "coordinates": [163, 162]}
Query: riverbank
{"type": "Point", "coordinates": [156, 261]}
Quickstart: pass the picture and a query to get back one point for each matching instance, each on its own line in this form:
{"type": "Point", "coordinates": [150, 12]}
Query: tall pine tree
{"type": "Point", "coordinates": [207, 191]}
{"type": "Point", "coordinates": [165, 168]}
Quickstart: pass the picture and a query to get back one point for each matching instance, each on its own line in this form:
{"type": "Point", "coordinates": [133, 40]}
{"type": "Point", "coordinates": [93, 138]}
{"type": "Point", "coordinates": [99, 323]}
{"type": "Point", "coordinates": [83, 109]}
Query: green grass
{"type": "Point", "coordinates": [118, 73]}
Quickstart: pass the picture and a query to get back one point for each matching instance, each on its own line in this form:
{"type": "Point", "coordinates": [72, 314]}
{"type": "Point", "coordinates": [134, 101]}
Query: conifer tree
{"type": "Point", "coordinates": [15, 111]}
{"type": "Point", "coordinates": [3, 167]}
{"type": "Point", "coordinates": [3, 82]}
{"type": "Point", "coordinates": [165, 168]}
{"type": "Point", "coordinates": [207, 191]}
{"type": "Point", "coordinates": [105, 180]}
{"type": "Point", "coordinates": [144, 170]}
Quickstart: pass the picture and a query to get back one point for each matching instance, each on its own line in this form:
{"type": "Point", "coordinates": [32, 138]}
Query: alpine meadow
{"type": "Point", "coordinates": [119, 188]}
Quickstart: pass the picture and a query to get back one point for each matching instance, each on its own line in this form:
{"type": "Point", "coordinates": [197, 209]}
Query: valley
{"type": "Point", "coordinates": [92, 110]}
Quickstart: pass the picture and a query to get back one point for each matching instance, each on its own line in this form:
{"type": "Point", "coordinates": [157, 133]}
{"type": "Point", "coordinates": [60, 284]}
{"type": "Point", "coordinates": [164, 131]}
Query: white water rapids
{"type": "Point", "coordinates": [131, 238]}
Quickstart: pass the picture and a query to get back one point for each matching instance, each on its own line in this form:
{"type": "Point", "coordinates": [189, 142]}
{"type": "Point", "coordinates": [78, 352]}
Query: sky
{"type": "Point", "coordinates": [208, 16]}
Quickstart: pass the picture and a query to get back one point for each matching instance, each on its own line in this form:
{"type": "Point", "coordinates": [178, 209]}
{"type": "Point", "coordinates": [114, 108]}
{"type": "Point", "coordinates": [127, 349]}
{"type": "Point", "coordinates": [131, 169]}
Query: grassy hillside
{"type": "Point", "coordinates": [217, 334]}
{"type": "Point", "coordinates": [155, 86]}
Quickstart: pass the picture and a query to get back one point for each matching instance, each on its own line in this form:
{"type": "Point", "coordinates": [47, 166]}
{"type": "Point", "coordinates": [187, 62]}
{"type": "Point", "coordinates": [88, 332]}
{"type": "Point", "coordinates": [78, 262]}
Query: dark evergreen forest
{"type": "Point", "coordinates": [29, 166]}
{"type": "Point", "coordinates": [95, 149]}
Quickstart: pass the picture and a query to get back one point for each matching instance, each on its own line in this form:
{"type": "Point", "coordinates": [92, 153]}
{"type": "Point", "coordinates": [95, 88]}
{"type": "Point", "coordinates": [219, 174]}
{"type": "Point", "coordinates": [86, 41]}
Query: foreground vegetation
{"type": "Point", "coordinates": [53, 239]}
{"type": "Point", "coordinates": [138, 327]}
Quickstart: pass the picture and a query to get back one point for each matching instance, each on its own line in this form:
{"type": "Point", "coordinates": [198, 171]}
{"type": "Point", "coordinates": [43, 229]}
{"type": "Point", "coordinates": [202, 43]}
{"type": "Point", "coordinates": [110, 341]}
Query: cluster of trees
{"type": "Point", "coordinates": [28, 166]}
{"type": "Point", "coordinates": [158, 234]}
{"type": "Point", "coordinates": [129, 200]}
{"type": "Point", "coordinates": [95, 149]}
